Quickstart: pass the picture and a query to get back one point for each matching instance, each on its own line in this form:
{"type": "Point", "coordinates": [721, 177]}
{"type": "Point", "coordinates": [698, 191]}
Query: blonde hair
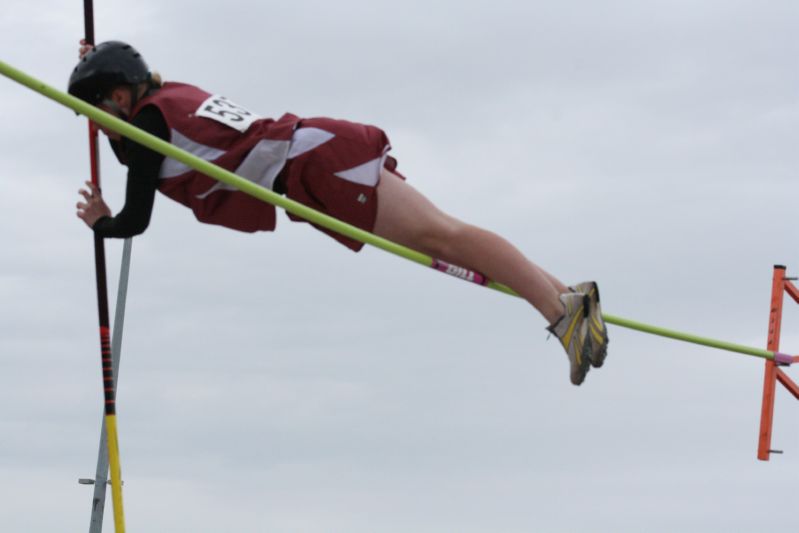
{"type": "Point", "coordinates": [155, 79]}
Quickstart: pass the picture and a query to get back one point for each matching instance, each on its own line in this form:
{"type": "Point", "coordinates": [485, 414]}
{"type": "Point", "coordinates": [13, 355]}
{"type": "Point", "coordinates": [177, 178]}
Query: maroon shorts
{"type": "Point", "coordinates": [334, 167]}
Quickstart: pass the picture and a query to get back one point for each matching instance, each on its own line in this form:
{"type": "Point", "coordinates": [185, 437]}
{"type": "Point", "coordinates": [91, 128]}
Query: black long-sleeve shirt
{"type": "Point", "coordinates": [143, 169]}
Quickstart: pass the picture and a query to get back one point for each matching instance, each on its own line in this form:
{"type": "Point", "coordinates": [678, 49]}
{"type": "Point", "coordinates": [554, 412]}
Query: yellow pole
{"type": "Point", "coordinates": [116, 473]}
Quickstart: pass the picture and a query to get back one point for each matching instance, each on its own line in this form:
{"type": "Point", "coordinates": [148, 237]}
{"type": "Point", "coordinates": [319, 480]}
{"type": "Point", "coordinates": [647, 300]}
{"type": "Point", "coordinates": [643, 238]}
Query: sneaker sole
{"type": "Point", "coordinates": [597, 332]}
{"type": "Point", "coordinates": [585, 355]}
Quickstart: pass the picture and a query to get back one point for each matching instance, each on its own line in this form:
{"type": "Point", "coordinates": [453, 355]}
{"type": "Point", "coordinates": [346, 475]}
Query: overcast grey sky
{"type": "Point", "coordinates": [279, 382]}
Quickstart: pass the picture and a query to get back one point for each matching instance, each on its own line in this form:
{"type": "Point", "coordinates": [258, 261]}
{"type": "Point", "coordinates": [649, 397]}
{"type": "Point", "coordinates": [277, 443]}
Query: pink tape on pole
{"type": "Point", "coordinates": [459, 272]}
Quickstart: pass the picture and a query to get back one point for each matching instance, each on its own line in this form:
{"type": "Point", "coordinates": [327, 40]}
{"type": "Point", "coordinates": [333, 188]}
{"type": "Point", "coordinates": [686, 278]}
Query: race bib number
{"type": "Point", "coordinates": [223, 110]}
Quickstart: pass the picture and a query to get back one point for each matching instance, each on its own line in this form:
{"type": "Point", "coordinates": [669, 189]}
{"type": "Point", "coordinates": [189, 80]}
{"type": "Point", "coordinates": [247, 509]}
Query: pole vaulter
{"type": "Point", "coordinates": [154, 143]}
{"type": "Point", "coordinates": [311, 215]}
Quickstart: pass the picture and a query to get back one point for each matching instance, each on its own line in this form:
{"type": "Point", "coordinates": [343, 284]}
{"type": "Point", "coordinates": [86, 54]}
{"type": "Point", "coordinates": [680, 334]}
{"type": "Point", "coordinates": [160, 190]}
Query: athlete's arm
{"type": "Point", "coordinates": [143, 168]}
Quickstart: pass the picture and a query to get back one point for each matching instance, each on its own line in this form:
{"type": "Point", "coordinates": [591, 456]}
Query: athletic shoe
{"type": "Point", "coordinates": [572, 330]}
{"type": "Point", "coordinates": [597, 332]}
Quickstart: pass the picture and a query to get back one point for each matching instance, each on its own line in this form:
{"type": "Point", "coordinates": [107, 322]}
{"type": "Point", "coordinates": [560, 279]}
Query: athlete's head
{"type": "Point", "coordinates": [112, 76]}
{"type": "Point", "coordinates": [105, 67]}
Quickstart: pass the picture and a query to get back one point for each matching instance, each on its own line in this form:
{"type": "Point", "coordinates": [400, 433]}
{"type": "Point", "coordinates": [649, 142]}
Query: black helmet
{"type": "Point", "coordinates": [106, 66]}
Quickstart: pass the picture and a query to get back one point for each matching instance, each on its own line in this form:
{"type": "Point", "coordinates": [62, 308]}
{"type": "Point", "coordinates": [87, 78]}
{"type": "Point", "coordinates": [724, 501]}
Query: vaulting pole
{"type": "Point", "coordinates": [109, 389]}
{"type": "Point", "coordinates": [326, 221]}
{"type": "Point", "coordinates": [100, 480]}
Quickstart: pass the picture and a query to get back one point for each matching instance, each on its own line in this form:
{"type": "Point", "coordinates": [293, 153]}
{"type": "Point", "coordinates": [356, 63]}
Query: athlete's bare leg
{"type": "Point", "coordinates": [406, 217]}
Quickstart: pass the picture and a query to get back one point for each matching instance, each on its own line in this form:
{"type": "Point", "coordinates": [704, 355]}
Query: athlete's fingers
{"type": "Point", "coordinates": [85, 48]}
{"type": "Point", "coordinates": [92, 193]}
{"type": "Point", "coordinates": [93, 188]}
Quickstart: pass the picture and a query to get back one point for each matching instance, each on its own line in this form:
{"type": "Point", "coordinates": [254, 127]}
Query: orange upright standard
{"type": "Point", "coordinates": [780, 285]}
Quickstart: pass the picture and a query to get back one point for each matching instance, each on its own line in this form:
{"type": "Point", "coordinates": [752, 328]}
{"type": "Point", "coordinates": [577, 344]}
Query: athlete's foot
{"type": "Point", "coordinates": [597, 331]}
{"type": "Point", "coordinates": [572, 331]}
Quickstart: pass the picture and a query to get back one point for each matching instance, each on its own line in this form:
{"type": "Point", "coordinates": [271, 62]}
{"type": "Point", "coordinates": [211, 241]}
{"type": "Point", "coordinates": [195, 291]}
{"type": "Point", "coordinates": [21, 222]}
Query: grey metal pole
{"type": "Point", "coordinates": [101, 475]}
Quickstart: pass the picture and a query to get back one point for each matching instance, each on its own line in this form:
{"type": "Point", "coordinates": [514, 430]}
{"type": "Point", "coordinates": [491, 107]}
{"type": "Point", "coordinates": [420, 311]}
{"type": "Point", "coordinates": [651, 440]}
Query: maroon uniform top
{"type": "Point", "coordinates": [330, 165]}
{"type": "Point", "coordinates": [219, 131]}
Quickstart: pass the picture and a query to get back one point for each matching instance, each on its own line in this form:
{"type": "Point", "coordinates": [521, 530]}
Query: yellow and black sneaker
{"type": "Point", "coordinates": [572, 331]}
{"type": "Point", "coordinates": [597, 332]}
